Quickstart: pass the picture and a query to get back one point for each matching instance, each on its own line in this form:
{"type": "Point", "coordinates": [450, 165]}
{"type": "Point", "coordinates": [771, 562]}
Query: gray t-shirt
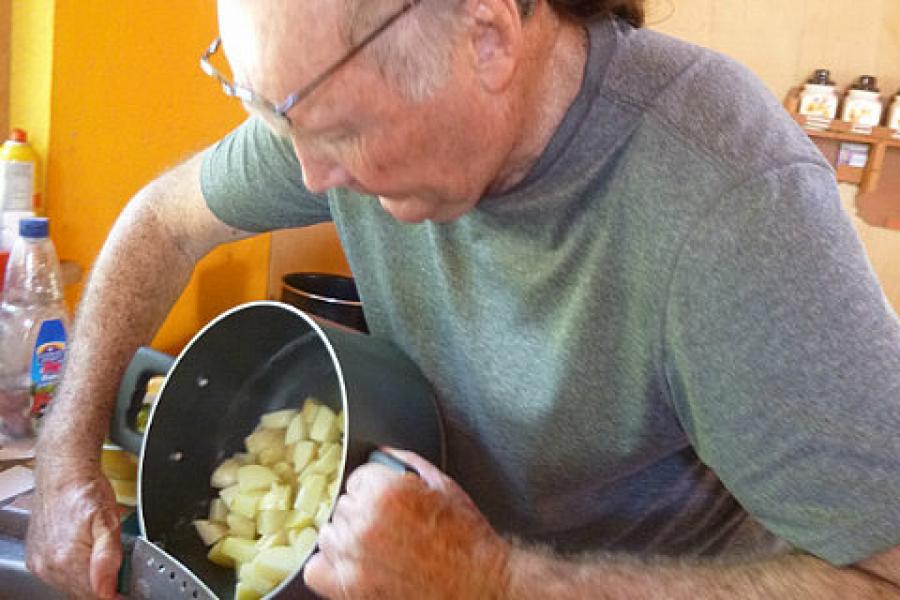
{"type": "Point", "coordinates": [666, 339]}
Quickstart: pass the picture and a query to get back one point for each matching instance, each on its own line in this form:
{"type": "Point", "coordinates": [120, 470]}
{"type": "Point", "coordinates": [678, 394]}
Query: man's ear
{"type": "Point", "coordinates": [496, 40]}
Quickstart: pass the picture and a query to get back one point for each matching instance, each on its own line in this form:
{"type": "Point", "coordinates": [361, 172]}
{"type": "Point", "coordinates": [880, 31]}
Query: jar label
{"type": "Point", "coordinates": [46, 364]}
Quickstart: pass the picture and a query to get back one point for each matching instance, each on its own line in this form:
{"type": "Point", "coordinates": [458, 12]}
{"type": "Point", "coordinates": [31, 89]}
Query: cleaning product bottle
{"type": "Point", "coordinates": [20, 175]}
{"type": "Point", "coordinates": [33, 330]}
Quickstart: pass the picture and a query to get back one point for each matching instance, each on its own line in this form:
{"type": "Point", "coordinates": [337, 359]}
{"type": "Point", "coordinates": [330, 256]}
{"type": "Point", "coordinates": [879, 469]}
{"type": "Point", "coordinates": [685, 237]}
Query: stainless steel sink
{"type": "Point", "coordinates": [16, 582]}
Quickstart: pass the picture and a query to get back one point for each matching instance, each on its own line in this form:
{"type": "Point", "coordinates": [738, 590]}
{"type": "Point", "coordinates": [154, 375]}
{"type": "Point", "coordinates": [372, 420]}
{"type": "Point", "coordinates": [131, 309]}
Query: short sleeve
{"type": "Point", "coordinates": [782, 356]}
{"type": "Point", "coordinates": [251, 180]}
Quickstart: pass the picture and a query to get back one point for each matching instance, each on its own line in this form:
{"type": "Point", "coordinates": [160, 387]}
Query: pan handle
{"type": "Point", "coordinates": [145, 364]}
{"type": "Point", "coordinates": [395, 464]}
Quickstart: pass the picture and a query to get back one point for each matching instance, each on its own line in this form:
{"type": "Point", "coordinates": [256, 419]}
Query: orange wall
{"type": "Point", "coordinates": [128, 100]}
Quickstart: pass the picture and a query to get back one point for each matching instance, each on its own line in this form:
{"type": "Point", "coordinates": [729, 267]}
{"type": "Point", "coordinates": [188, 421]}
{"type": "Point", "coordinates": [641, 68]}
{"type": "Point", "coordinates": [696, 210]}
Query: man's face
{"type": "Point", "coordinates": [428, 160]}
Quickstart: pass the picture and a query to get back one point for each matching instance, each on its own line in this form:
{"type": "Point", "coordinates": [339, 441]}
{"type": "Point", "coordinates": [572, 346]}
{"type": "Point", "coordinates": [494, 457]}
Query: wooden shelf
{"type": "Point", "coordinates": [878, 200]}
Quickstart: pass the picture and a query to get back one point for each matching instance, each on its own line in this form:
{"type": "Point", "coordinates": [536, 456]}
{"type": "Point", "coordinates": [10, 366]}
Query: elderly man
{"type": "Point", "coordinates": [665, 366]}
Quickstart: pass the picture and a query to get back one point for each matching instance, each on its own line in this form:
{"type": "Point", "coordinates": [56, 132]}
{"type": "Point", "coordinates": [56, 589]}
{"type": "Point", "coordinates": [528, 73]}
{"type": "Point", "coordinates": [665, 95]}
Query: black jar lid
{"type": "Point", "coordinates": [867, 83]}
{"type": "Point", "coordinates": [821, 77]}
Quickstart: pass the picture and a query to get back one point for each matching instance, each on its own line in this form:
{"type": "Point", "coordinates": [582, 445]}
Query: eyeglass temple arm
{"type": "Point", "coordinates": [307, 89]}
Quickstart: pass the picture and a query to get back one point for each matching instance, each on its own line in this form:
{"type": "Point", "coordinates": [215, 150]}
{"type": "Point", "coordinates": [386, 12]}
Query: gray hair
{"type": "Point", "coordinates": [415, 53]}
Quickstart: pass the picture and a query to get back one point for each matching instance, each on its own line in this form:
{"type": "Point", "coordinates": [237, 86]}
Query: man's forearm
{"type": "Point", "coordinates": [137, 277]}
{"type": "Point", "coordinates": [535, 574]}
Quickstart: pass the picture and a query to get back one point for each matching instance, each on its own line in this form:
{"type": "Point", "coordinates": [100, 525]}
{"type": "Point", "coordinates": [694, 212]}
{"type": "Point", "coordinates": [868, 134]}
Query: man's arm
{"type": "Point", "coordinates": [397, 536]}
{"type": "Point", "coordinates": [144, 265]}
{"type": "Point", "coordinates": [533, 574]}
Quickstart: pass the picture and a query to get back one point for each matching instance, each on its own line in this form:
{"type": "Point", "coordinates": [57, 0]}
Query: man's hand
{"type": "Point", "coordinates": [398, 536]}
{"type": "Point", "coordinates": [73, 536]}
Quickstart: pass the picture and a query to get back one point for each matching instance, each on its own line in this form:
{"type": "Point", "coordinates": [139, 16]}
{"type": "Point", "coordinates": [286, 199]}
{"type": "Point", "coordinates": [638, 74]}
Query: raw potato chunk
{"type": "Point", "coordinates": [297, 519]}
{"type": "Point", "coordinates": [228, 494]}
{"type": "Point", "coordinates": [275, 539]}
{"type": "Point", "coordinates": [279, 419]}
{"type": "Point", "coordinates": [303, 455]}
{"type": "Point", "coordinates": [225, 474]}
{"type": "Point", "coordinates": [323, 514]}
{"type": "Point", "coordinates": [277, 498]}
{"type": "Point", "coordinates": [283, 469]}
{"type": "Point", "coordinates": [247, 503]}
{"type": "Point", "coordinates": [261, 439]}
{"type": "Point", "coordinates": [210, 531]}
{"type": "Point", "coordinates": [215, 555]}
{"type": "Point", "coordinates": [255, 477]}
{"type": "Point", "coordinates": [241, 526]}
{"type": "Point", "coordinates": [310, 493]}
{"type": "Point", "coordinates": [217, 510]}
{"type": "Point", "coordinates": [310, 407]}
{"type": "Point", "coordinates": [240, 550]}
{"type": "Point", "coordinates": [269, 522]}
{"type": "Point", "coordinates": [245, 592]}
{"type": "Point", "coordinates": [329, 459]}
{"type": "Point", "coordinates": [297, 430]}
{"type": "Point", "coordinates": [276, 563]}
{"type": "Point", "coordinates": [324, 427]}
{"type": "Point", "coordinates": [249, 577]}
{"type": "Point", "coordinates": [304, 542]}
{"type": "Point", "coordinates": [273, 498]}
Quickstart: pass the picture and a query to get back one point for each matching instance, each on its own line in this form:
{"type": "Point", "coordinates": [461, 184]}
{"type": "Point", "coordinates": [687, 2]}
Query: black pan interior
{"type": "Point", "coordinates": [259, 359]}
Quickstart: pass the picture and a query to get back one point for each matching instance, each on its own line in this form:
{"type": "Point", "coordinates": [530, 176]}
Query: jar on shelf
{"type": "Point", "coordinates": [863, 103]}
{"type": "Point", "coordinates": [894, 116]}
{"type": "Point", "coordinates": [819, 97]}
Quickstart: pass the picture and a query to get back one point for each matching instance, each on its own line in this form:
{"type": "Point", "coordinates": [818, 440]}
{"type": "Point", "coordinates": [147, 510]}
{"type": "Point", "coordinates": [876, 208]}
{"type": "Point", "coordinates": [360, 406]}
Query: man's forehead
{"type": "Point", "coordinates": [279, 37]}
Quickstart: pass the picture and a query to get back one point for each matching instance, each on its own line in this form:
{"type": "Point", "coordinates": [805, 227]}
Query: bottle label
{"type": "Point", "coordinates": [16, 185]}
{"type": "Point", "coordinates": [46, 364]}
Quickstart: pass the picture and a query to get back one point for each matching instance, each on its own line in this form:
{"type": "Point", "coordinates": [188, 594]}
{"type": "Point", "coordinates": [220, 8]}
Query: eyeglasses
{"type": "Point", "coordinates": [276, 114]}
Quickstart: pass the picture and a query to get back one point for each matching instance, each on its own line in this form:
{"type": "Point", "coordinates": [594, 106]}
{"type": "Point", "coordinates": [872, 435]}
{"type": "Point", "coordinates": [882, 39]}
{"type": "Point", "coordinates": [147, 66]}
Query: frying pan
{"type": "Point", "coordinates": [257, 358]}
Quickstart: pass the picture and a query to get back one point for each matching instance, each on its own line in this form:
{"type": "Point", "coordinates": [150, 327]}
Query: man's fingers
{"type": "Point", "coordinates": [106, 553]}
{"type": "Point", "coordinates": [320, 576]}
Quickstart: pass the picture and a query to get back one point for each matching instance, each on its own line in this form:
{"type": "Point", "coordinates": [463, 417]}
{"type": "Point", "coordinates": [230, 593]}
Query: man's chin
{"type": "Point", "coordinates": [406, 211]}
{"type": "Point", "coordinates": [413, 211]}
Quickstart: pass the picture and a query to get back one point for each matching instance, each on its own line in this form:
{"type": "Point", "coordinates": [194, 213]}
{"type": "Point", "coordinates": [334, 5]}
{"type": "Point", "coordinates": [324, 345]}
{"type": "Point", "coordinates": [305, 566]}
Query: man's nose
{"type": "Point", "coordinates": [321, 175]}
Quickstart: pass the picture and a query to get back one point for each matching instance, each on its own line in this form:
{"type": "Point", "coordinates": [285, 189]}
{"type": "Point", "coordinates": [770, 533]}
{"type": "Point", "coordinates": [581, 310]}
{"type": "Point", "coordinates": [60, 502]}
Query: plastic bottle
{"type": "Point", "coordinates": [20, 174]}
{"type": "Point", "coordinates": [33, 330]}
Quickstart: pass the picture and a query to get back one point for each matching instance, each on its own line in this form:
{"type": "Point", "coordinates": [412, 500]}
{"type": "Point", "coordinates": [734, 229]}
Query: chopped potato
{"type": "Point", "coordinates": [210, 531]}
{"type": "Point", "coordinates": [245, 592]}
{"type": "Point", "coordinates": [225, 474]}
{"type": "Point", "coordinates": [247, 503]}
{"type": "Point", "coordinates": [255, 477]}
{"type": "Point", "coordinates": [217, 510]}
{"type": "Point", "coordinates": [323, 514]}
{"type": "Point", "coordinates": [303, 455]}
{"type": "Point", "coordinates": [297, 430]}
{"type": "Point", "coordinates": [279, 419]}
{"type": "Point", "coordinates": [310, 493]}
{"type": "Point", "coordinates": [227, 495]}
{"type": "Point", "coordinates": [304, 542]}
{"type": "Point", "coordinates": [241, 550]}
{"type": "Point", "coordinates": [273, 539]}
{"type": "Point", "coordinates": [241, 526]}
{"type": "Point", "coordinates": [276, 563]}
{"type": "Point", "coordinates": [324, 427]}
{"type": "Point", "coordinates": [261, 439]}
{"type": "Point", "coordinates": [215, 555]}
{"type": "Point", "coordinates": [277, 498]}
{"type": "Point", "coordinates": [310, 407]}
{"type": "Point", "coordinates": [274, 497]}
{"type": "Point", "coordinates": [271, 521]}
